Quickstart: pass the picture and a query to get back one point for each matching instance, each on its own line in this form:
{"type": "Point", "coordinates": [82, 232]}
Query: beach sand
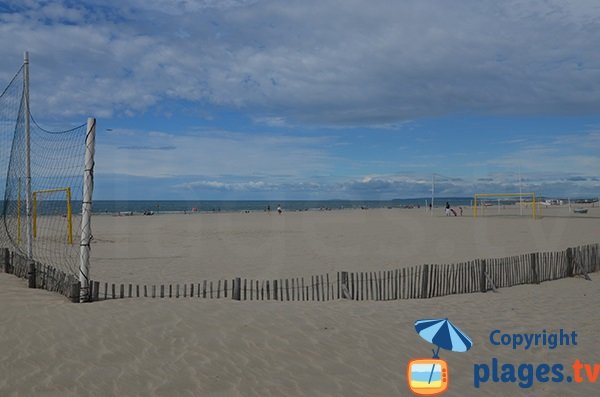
{"type": "Point", "coordinates": [179, 248]}
{"type": "Point", "coordinates": [192, 347]}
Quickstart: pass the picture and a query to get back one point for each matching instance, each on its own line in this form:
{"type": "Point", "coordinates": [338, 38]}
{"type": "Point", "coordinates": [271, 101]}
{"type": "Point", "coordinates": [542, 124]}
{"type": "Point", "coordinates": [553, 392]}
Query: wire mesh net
{"type": "Point", "coordinates": [48, 211]}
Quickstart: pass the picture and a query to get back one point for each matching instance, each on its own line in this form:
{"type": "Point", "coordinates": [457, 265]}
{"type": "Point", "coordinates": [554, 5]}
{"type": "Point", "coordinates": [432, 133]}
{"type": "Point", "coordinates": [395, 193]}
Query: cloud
{"type": "Point", "coordinates": [327, 62]}
{"type": "Point", "coordinates": [575, 153]}
{"type": "Point", "coordinates": [387, 187]}
{"type": "Point", "coordinates": [212, 154]}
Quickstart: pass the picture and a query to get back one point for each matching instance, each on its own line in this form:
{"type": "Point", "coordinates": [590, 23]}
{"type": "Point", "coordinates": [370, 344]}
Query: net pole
{"type": "Point", "coordinates": [28, 224]}
{"type": "Point", "coordinates": [86, 208]}
{"type": "Point", "coordinates": [432, 192]}
{"type": "Point", "coordinates": [520, 193]}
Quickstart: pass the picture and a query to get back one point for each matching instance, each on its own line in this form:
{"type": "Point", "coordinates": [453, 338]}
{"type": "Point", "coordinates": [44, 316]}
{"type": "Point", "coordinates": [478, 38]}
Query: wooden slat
{"type": "Point", "coordinates": [322, 287]}
{"type": "Point", "coordinates": [268, 288]}
{"type": "Point", "coordinates": [403, 289]}
{"type": "Point", "coordinates": [287, 290]}
{"type": "Point", "coordinates": [97, 291]}
{"type": "Point", "coordinates": [409, 282]}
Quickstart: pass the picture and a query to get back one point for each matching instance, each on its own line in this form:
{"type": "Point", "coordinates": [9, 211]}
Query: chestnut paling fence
{"type": "Point", "coordinates": [416, 282]}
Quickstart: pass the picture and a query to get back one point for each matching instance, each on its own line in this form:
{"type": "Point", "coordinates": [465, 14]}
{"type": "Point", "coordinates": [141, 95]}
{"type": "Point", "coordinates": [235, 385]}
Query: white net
{"type": "Point", "coordinates": [57, 165]}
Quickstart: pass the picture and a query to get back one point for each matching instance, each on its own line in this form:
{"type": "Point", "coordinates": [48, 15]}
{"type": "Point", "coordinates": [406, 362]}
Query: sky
{"type": "Point", "coordinates": [235, 99]}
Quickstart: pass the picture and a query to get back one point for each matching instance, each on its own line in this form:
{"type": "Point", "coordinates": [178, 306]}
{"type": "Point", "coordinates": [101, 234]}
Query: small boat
{"type": "Point", "coordinates": [580, 210]}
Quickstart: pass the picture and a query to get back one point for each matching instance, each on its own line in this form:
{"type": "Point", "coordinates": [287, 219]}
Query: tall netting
{"type": "Point", "coordinates": [10, 115]}
{"type": "Point", "coordinates": [57, 164]}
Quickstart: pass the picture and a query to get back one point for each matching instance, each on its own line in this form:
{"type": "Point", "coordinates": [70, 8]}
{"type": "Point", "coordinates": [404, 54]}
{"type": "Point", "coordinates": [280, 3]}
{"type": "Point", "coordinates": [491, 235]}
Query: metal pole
{"type": "Point", "coordinates": [29, 228]}
{"type": "Point", "coordinates": [432, 191]}
{"type": "Point", "coordinates": [86, 208]}
{"type": "Point", "coordinates": [520, 193]}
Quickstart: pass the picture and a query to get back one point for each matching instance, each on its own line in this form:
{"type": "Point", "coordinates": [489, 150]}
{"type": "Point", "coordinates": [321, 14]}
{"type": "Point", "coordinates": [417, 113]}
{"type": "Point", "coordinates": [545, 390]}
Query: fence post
{"type": "Point", "coordinates": [237, 289]}
{"type": "Point", "coordinates": [569, 262]}
{"type": "Point", "coordinates": [536, 278]}
{"type": "Point", "coordinates": [96, 295]}
{"type": "Point", "coordinates": [482, 279]}
{"type": "Point", "coordinates": [6, 256]}
{"type": "Point", "coordinates": [424, 281]}
{"type": "Point", "coordinates": [344, 286]}
{"type": "Point", "coordinates": [75, 291]}
{"type": "Point", "coordinates": [31, 274]}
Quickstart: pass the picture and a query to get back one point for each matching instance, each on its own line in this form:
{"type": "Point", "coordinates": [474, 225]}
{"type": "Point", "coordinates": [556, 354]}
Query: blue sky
{"type": "Point", "coordinates": [319, 99]}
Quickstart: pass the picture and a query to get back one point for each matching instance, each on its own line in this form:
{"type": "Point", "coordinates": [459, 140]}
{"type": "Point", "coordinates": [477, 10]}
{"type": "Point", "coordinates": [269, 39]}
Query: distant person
{"type": "Point", "coordinates": [279, 210]}
{"type": "Point", "coordinates": [461, 210]}
{"type": "Point", "coordinates": [268, 208]}
{"type": "Point", "coordinates": [430, 207]}
{"type": "Point", "coordinates": [447, 208]}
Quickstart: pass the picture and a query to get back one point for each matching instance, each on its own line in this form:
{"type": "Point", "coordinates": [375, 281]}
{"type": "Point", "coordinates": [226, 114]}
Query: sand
{"type": "Point", "coordinates": [179, 248]}
{"type": "Point", "coordinates": [191, 347]}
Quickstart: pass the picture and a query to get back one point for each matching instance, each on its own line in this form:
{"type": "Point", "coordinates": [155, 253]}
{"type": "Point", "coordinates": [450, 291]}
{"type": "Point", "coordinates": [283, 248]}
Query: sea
{"type": "Point", "coordinates": [209, 206]}
{"type": "Point", "coordinates": [179, 206]}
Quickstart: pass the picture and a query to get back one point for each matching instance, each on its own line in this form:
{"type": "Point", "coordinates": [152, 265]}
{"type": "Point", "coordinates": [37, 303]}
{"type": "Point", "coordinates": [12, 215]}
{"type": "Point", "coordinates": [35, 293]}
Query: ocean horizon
{"type": "Point", "coordinates": [209, 206]}
{"type": "Point", "coordinates": [177, 206]}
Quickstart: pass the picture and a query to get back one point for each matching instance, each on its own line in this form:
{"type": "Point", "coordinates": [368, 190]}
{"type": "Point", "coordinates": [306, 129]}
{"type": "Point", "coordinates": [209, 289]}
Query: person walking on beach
{"type": "Point", "coordinates": [447, 208]}
{"type": "Point", "coordinates": [279, 210]}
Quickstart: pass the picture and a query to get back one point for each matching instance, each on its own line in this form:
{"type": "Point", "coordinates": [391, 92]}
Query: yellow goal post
{"type": "Point", "coordinates": [67, 191]}
{"type": "Point", "coordinates": [478, 196]}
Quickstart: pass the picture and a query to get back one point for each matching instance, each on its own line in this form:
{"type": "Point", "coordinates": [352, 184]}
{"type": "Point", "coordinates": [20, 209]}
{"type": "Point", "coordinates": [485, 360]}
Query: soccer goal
{"type": "Point", "coordinates": [53, 202]}
{"type": "Point", "coordinates": [487, 204]}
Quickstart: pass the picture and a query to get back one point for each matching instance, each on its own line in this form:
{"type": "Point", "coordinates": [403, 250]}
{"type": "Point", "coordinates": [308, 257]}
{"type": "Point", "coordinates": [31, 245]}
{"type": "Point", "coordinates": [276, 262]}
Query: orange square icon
{"type": "Point", "coordinates": [427, 376]}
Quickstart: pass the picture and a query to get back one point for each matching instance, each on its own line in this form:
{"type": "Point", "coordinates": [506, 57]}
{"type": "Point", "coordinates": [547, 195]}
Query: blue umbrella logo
{"type": "Point", "coordinates": [443, 334]}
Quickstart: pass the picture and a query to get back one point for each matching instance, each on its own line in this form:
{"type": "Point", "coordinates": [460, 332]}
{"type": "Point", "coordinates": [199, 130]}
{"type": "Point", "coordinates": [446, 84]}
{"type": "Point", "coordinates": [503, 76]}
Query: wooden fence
{"type": "Point", "coordinates": [417, 282]}
{"type": "Point", "coordinates": [40, 275]}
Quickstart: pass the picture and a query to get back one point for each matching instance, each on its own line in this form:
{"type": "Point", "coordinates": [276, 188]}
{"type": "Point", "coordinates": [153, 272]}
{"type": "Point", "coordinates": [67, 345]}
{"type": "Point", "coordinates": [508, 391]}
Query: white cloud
{"type": "Point", "coordinates": [325, 62]}
{"type": "Point", "coordinates": [397, 186]}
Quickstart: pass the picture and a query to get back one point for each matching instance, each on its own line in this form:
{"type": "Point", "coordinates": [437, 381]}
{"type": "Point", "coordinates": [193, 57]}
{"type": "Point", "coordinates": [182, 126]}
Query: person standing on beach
{"type": "Point", "coordinates": [447, 208]}
{"type": "Point", "coordinates": [279, 210]}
